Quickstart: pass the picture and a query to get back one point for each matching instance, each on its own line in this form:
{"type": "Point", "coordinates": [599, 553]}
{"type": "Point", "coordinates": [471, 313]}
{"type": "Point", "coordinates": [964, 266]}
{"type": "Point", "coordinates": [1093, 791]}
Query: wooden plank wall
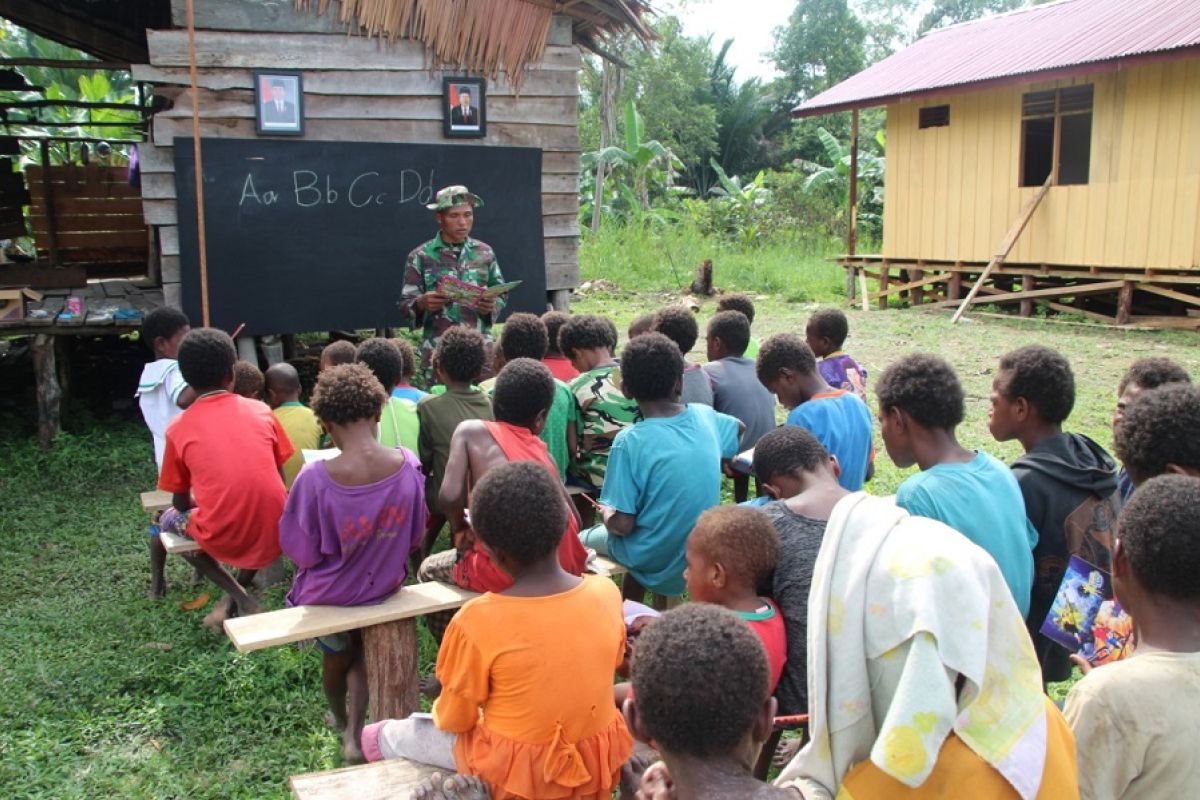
{"type": "Point", "coordinates": [951, 192]}
{"type": "Point", "coordinates": [355, 89]}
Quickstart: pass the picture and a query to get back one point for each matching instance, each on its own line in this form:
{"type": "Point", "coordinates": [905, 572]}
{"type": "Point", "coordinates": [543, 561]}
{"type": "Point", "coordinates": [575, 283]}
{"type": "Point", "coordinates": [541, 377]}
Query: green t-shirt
{"type": "Point", "coordinates": [601, 412]}
{"type": "Point", "coordinates": [751, 349]}
{"type": "Point", "coordinates": [439, 415]}
{"type": "Point", "coordinates": [398, 424]}
{"type": "Point", "coordinates": [562, 411]}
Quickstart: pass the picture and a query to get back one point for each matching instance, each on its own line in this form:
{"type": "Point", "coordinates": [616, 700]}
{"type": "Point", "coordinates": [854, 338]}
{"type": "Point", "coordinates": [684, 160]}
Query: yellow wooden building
{"type": "Point", "coordinates": [1099, 98]}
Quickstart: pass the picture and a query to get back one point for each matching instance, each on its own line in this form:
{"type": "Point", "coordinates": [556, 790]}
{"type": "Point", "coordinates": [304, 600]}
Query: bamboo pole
{"type": "Point", "coordinates": [199, 172]}
{"type": "Point", "coordinates": [852, 232]}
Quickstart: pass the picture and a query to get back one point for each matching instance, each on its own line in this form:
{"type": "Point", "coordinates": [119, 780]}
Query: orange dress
{"type": "Point", "coordinates": [527, 688]}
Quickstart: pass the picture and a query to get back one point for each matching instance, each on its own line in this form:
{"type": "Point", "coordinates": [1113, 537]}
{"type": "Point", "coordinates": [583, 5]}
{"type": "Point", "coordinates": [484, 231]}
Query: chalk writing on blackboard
{"type": "Point", "coordinates": [311, 189]}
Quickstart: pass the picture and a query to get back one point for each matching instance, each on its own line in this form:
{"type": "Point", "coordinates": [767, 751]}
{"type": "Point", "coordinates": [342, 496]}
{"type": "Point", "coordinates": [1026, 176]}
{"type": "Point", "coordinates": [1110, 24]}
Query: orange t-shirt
{"type": "Point", "coordinates": [527, 688]}
{"type": "Point", "coordinates": [226, 450]}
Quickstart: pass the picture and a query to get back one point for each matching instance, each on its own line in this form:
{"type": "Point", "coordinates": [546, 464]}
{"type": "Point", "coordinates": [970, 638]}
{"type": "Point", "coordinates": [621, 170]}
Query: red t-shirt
{"type": "Point", "coordinates": [561, 367]}
{"type": "Point", "coordinates": [767, 622]}
{"type": "Point", "coordinates": [475, 570]}
{"type": "Point", "coordinates": [226, 450]}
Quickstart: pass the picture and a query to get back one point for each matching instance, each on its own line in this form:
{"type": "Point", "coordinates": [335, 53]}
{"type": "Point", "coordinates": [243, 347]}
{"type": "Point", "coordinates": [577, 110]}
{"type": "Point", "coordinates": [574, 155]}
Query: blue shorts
{"type": "Point", "coordinates": [336, 644]}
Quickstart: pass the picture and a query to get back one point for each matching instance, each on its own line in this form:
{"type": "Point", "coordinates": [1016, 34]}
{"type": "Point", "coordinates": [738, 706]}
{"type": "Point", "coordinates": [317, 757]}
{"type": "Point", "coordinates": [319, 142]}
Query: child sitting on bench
{"type": "Point", "coordinates": [248, 380]}
{"type": "Point", "coordinates": [298, 421]}
{"type": "Point", "coordinates": [336, 353]}
{"type": "Point", "coordinates": [162, 395]}
{"type": "Point", "coordinates": [398, 423]}
{"type": "Point", "coordinates": [526, 704]}
{"type": "Point", "coordinates": [349, 525]}
{"type": "Point", "coordinates": [523, 394]}
{"type": "Point", "coordinates": [226, 453]}
{"type": "Point", "coordinates": [702, 695]}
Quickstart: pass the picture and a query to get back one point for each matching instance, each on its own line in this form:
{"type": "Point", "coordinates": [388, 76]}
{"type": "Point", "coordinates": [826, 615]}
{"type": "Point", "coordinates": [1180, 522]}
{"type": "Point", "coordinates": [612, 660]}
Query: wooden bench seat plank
{"type": "Point", "coordinates": [174, 543]}
{"type": "Point", "coordinates": [157, 500]}
{"type": "Point", "coordinates": [383, 780]}
{"type": "Point", "coordinates": [258, 631]}
{"type": "Point", "coordinates": [601, 565]}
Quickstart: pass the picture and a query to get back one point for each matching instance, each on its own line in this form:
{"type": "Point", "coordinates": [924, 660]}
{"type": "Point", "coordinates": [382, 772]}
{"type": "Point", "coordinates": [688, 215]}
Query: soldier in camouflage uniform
{"type": "Point", "coordinates": [451, 252]}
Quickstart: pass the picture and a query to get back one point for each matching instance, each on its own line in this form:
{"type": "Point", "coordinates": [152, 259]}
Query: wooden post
{"type": "Point", "coordinates": [393, 682]}
{"type": "Point", "coordinates": [852, 231]}
{"type": "Point", "coordinates": [884, 278]}
{"type": "Point", "coordinates": [48, 192]}
{"type": "Point", "coordinates": [918, 292]}
{"type": "Point", "coordinates": [1125, 303]}
{"type": "Point", "coordinates": [49, 393]}
{"type": "Point", "coordinates": [1028, 284]}
{"type": "Point", "coordinates": [954, 287]}
{"type": "Point", "coordinates": [199, 164]}
{"type": "Point", "coordinates": [560, 299]}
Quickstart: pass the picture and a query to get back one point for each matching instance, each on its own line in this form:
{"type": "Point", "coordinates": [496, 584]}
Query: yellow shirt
{"type": "Point", "coordinates": [303, 430]}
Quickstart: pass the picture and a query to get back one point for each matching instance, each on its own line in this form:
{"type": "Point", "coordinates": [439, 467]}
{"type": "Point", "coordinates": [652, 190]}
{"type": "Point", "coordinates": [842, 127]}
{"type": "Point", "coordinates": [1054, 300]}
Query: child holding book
{"type": "Point", "coordinates": [349, 526]}
{"type": "Point", "coordinates": [398, 422]}
{"type": "Point", "coordinates": [223, 465]}
{"type": "Point", "coordinates": [678, 324]}
{"type": "Point", "coordinates": [559, 365]}
{"type": "Point", "coordinates": [1135, 720]}
{"type": "Point", "coordinates": [523, 397]}
{"type": "Point", "coordinates": [298, 421]}
{"type": "Point", "coordinates": [837, 417]}
{"type": "Point", "coordinates": [1143, 374]}
{"type": "Point", "coordinates": [743, 304]}
{"type": "Point", "coordinates": [1069, 482]}
{"type": "Point", "coordinates": [921, 403]}
{"type": "Point", "coordinates": [601, 408]}
{"type": "Point", "coordinates": [701, 682]}
{"type": "Point", "coordinates": [826, 334]}
{"type": "Point", "coordinates": [526, 704]}
{"type": "Point", "coordinates": [162, 395]}
{"type": "Point", "coordinates": [662, 473]}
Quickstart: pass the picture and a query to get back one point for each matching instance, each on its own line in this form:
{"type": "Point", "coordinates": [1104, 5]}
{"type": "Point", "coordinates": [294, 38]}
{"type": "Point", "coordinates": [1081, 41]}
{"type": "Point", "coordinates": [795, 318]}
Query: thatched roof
{"type": "Point", "coordinates": [486, 36]}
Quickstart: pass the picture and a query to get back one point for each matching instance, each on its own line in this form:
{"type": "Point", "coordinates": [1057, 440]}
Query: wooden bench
{"type": "Point", "coordinates": [156, 501]}
{"type": "Point", "coordinates": [393, 779]}
{"type": "Point", "coordinates": [389, 635]}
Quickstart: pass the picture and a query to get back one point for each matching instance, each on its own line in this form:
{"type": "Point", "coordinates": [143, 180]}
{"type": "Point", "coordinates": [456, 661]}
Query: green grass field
{"type": "Point", "coordinates": [103, 692]}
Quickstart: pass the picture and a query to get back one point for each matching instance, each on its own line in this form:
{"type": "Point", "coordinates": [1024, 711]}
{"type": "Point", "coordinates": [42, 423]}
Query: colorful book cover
{"type": "Point", "coordinates": [1086, 619]}
{"type": "Point", "coordinates": [469, 294]}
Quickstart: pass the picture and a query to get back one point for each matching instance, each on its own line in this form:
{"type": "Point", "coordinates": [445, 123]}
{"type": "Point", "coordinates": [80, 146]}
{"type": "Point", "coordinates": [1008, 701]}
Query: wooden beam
{"type": "Point", "coordinates": [1100, 287]}
{"type": "Point", "coordinates": [380, 780]}
{"type": "Point", "coordinates": [852, 230]}
{"type": "Point", "coordinates": [63, 63]}
{"type": "Point", "coordinates": [901, 287]}
{"type": "Point", "coordinates": [1161, 291]}
{"type": "Point", "coordinates": [1006, 246]}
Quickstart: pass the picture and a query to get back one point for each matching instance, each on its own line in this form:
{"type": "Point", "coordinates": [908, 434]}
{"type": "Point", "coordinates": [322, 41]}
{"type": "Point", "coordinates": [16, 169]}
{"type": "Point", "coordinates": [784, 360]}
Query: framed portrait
{"type": "Point", "coordinates": [279, 103]}
{"type": "Point", "coordinates": [464, 108]}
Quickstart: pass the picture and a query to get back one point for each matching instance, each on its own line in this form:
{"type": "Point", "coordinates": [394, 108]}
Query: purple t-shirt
{"type": "Point", "coordinates": [842, 372]}
{"type": "Point", "coordinates": [351, 543]}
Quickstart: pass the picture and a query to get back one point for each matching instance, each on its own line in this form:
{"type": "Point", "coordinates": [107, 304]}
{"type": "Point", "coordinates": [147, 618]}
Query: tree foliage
{"type": "Point", "coordinates": [822, 44]}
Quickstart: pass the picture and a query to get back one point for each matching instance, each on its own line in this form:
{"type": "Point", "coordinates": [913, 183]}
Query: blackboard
{"type": "Point", "coordinates": [312, 236]}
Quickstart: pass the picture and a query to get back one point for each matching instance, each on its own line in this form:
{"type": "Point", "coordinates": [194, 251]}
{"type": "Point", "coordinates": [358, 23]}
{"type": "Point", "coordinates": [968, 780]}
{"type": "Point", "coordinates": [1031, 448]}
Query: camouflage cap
{"type": "Point", "coordinates": [453, 196]}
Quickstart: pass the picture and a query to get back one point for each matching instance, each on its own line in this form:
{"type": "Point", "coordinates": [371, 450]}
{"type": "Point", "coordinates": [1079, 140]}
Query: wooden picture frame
{"type": "Point", "coordinates": [464, 120]}
{"type": "Point", "coordinates": [278, 103]}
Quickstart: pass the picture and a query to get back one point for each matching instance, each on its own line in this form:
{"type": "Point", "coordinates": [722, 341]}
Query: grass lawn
{"type": "Point", "coordinates": [104, 692]}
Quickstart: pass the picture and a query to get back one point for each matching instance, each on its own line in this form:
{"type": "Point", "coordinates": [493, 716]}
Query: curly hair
{"type": "Point", "coordinates": [554, 320]}
{"type": "Point", "coordinates": [1150, 373]}
{"type": "Point", "coordinates": [1158, 534]}
{"type": "Point", "coordinates": [248, 380]}
{"type": "Point", "coordinates": [700, 679]}
{"type": "Point", "coordinates": [651, 367]}
{"type": "Point", "coordinates": [1161, 427]}
{"type": "Point", "coordinates": [523, 336]}
{"type": "Point", "coordinates": [461, 354]}
{"type": "Point", "coordinates": [531, 535]}
{"type": "Point", "coordinates": [340, 352]}
{"type": "Point", "coordinates": [206, 357]}
{"type": "Point", "coordinates": [1043, 377]}
{"type": "Point", "coordinates": [408, 357]}
{"type": "Point", "coordinates": [348, 393]}
{"type": "Point", "coordinates": [786, 450]}
{"type": "Point", "coordinates": [737, 302]}
{"type": "Point", "coordinates": [641, 324]}
{"type": "Point", "coordinates": [831, 324]}
{"type": "Point", "coordinates": [740, 539]}
{"type": "Point", "coordinates": [784, 351]}
{"type": "Point", "coordinates": [585, 332]}
{"type": "Point", "coordinates": [163, 323]}
{"type": "Point", "coordinates": [383, 359]}
{"type": "Point", "coordinates": [524, 388]}
{"type": "Point", "coordinates": [732, 328]}
{"type": "Point", "coordinates": [678, 324]}
{"type": "Point", "coordinates": [926, 388]}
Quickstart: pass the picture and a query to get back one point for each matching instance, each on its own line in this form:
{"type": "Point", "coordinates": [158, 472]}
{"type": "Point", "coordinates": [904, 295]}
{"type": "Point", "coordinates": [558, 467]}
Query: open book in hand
{"type": "Point", "coordinates": [1086, 619]}
{"type": "Point", "coordinates": [469, 294]}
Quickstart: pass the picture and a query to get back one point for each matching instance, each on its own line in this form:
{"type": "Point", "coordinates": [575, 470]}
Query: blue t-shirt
{"type": "Point", "coordinates": [982, 500]}
{"type": "Point", "coordinates": [410, 393]}
{"type": "Point", "coordinates": [842, 424]}
{"type": "Point", "coordinates": [666, 471]}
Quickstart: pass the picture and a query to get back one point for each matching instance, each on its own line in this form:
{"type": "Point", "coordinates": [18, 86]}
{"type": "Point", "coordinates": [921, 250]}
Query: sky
{"type": "Point", "coordinates": [750, 23]}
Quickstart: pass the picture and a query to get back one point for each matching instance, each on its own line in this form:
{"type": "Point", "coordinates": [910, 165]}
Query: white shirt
{"type": "Point", "coordinates": [158, 395]}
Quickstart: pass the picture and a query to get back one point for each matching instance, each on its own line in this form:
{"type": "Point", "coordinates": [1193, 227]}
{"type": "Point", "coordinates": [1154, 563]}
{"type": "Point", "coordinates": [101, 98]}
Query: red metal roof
{"type": "Point", "coordinates": [1055, 40]}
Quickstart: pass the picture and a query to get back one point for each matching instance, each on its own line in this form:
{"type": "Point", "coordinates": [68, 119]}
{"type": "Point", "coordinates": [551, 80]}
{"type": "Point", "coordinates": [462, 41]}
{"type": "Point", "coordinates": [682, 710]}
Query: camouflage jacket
{"type": "Point", "coordinates": [472, 261]}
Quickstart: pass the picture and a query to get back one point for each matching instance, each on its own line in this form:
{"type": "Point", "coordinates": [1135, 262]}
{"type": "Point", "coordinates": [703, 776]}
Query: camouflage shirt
{"type": "Point", "coordinates": [601, 412]}
{"type": "Point", "coordinates": [472, 261]}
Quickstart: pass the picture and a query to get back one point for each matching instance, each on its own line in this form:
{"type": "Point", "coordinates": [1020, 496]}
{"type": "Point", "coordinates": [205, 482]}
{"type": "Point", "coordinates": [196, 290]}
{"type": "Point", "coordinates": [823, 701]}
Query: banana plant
{"type": "Point", "coordinates": [836, 174]}
{"type": "Point", "coordinates": [638, 164]}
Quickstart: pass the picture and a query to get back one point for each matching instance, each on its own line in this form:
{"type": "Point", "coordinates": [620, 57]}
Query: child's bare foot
{"type": "Point", "coordinates": [157, 591]}
{"type": "Point", "coordinates": [453, 787]}
{"type": "Point", "coordinates": [215, 619]}
{"type": "Point", "coordinates": [351, 750]}
{"type": "Point", "coordinates": [431, 687]}
{"type": "Point", "coordinates": [249, 606]}
{"type": "Point", "coordinates": [335, 724]}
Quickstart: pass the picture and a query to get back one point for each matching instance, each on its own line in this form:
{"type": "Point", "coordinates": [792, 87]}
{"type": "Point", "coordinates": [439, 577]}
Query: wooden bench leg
{"type": "Point", "coordinates": [390, 654]}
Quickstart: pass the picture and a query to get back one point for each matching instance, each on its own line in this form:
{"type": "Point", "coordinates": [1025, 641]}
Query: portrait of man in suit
{"type": "Point", "coordinates": [465, 109]}
{"type": "Point", "coordinates": [279, 104]}
{"type": "Point", "coordinates": [464, 114]}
